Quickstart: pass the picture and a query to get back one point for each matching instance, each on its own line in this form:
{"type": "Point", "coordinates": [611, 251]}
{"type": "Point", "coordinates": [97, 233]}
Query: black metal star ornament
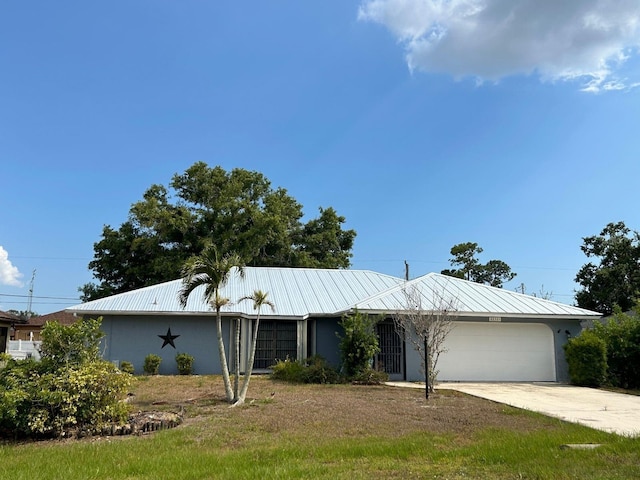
{"type": "Point", "coordinates": [168, 339]}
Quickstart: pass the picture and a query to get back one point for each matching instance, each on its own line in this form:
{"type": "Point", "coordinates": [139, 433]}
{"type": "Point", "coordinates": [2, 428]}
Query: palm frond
{"type": "Point", "coordinates": [211, 270]}
{"type": "Point", "coordinates": [259, 299]}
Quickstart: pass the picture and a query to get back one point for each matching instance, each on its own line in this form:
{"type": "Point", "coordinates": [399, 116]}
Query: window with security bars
{"type": "Point", "coordinates": [389, 359]}
{"type": "Point", "coordinates": [276, 341]}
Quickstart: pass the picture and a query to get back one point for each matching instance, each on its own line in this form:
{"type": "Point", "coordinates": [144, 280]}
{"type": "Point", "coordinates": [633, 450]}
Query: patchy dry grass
{"type": "Point", "coordinates": [336, 411]}
{"type": "Point", "coordinates": [328, 431]}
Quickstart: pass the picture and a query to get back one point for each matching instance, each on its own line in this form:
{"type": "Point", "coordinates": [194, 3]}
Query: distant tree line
{"type": "Point", "coordinates": [239, 212]}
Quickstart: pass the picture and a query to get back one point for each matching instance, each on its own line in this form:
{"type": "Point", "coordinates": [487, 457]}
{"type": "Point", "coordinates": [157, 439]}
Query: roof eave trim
{"type": "Point", "coordinates": [121, 313]}
{"type": "Point", "coordinates": [540, 316]}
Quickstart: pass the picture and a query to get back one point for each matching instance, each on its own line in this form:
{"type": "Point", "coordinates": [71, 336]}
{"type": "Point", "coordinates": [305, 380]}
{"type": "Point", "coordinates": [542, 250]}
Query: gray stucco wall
{"type": "Point", "coordinates": [563, 330]}
{"type": "Point", "coordinates": [132, 338]}
{"type": "Point", "coordinates": [326, 342]}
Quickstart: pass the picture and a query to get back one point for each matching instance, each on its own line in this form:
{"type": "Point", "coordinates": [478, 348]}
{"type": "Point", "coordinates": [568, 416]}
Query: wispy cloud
{"type": "Point", "coordinates": [586, 41]}
{"type": "Point", "coordinates": [9, 275]}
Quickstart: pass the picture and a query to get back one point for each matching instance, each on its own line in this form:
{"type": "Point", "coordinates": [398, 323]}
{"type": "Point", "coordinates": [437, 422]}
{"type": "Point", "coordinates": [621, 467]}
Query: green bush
{"type": "Point", "coordinates": [5, 358]}
{"type": "Point", "coordinates": [288, 370]}
{"type": "Point", "coordinates": [37, 402]}
{"type": "Point", "coordinates": [587, 358]}
{"type": "Point", "coordinates": [71, 344]}
{"type": "Point", "coordinates": [68, 390]}
{"type": "Point", "coordinates": [622, 336]}
{"type": "Point", "coordinates": [358, 343]}
{"type": "Point", "coordinates": [152, 364]}
{"type": "Point", "coordinates": [370, 376]}
{"type": "Point", "coordinates": [317, 370]}
{"type": "Point", "coordinates": [127, 367]}
{"type": "Point", "coordinates": [313, 370]}
{"type": "Point", "coordinates": [185, 363]}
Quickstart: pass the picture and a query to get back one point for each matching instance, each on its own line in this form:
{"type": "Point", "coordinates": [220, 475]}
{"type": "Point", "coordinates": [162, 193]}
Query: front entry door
{"type": "Point", "coordinates": [391, 356]}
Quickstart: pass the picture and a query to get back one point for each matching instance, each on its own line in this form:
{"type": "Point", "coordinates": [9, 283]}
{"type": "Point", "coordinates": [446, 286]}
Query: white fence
{"type": "Point", "coordinates": [21, 349]}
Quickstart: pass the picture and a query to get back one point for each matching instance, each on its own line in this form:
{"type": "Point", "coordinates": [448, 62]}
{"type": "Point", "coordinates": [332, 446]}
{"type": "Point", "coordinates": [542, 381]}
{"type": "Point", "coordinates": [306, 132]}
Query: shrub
{"type": "Point", "coordinates": [587, 358]}
{"type": "Point", "coordinates": [622, 336]}
{"type": "Point", "coordinates": [313, 370]}
{"type": "Point", "coordinates": [5, 358]}
{"type": "Point", "coordinates": [152, 364]}
{"type": "Point", "coordinates": [67, 390]}
{"type": "Point", "coordinates": [359, 342]}
{"type": "Point", "coordinates": [317, 370]}
{"type": "Point", "coordinates": [185, 363]}
{"type": "Point", "coordinates": [37, 402]}
{"type": "Point", "coordinates": [288, 370]}
{"type": "Point", "coordinates": [127, 367]}
{"type": "Point", "coordinates": [71, 344]}
{"type": "Point", "coordinates": [370, 376]}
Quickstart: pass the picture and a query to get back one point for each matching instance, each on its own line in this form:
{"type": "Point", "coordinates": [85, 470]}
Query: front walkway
{"type": "Point", "coordinates": [599, 409]}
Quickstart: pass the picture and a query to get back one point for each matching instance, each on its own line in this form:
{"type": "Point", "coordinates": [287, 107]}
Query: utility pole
{"type": "Point", "coordinates": [29, 302]}
{"type": "Point", "coordinates": [406, 270]}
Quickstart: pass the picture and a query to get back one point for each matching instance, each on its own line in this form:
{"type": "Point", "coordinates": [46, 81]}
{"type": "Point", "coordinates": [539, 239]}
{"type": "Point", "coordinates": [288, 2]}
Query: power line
{"type": "Point", "coordinates": [22, 302]}
{"type": "Point", "coordinates": [39, 297]}
{"type": "Point", "coordinates": [50, 258]}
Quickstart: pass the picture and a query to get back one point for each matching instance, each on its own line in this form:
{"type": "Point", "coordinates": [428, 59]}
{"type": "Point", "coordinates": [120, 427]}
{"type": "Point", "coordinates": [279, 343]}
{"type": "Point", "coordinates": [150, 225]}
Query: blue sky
{"type": "Point", "coordinates": [513, 124]}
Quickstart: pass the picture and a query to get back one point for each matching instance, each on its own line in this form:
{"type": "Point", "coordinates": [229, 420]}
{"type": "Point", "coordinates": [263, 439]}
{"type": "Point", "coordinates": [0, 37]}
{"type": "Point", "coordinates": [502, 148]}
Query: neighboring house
{"type": "Point", "coordinates": [30, 330]}
{"type": "Point", "coordinates": [7, 321]}
{"type": "Point", "coordinates": [499, 335]}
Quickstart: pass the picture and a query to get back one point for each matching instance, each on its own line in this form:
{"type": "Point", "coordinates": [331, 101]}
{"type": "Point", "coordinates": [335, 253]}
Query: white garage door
{"type": "Point", "coordinates": [498, 352]}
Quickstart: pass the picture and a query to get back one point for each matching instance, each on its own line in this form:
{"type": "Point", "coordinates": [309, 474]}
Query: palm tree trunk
{"type": "Point", "coordinates": [236, 379]}
{"type": "Point", "coordinates": [223, 358]}
{"type": "Point", "coordinates": [249, 369]}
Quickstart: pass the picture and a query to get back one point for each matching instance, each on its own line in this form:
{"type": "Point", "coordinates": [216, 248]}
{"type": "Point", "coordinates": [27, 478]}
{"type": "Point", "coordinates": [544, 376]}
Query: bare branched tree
{"type": "Point", "coordinates": [425, 324]}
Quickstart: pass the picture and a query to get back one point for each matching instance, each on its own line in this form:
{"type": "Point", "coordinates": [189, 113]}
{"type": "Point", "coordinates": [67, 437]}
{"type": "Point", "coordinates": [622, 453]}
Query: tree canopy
{"type": "Point", "coordinates": [494, 272]}
{"type": "Point", "coordinates": [238, 211]}
{"type": "Point", "coordinates": [613, 278]}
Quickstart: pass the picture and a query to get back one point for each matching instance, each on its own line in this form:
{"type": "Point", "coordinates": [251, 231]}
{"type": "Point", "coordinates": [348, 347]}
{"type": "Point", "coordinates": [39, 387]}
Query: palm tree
{"type": "Point", "coordinates": [259, 299]}
{"type": "Point", "coordinates": [212, 271]}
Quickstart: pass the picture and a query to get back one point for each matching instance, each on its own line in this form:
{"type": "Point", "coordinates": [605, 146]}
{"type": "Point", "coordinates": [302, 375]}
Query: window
{"type": "Point", "coordinates": [391, 354]}
{"type": "Point", "coordinates": [276, 341]}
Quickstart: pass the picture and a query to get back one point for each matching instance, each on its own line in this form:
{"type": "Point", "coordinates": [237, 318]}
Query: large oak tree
{"type": "Point", "coordinates": [238, 211]}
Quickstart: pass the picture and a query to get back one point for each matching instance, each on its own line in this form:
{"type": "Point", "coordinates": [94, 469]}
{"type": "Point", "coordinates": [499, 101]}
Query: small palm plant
{"type": "Point", "coordinates": [259, 299]}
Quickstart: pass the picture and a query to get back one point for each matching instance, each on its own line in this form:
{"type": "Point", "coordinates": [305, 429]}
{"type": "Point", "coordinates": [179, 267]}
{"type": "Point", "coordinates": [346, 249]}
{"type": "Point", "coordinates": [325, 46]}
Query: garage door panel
{"type": "Point", "coordinates": [498, 352]}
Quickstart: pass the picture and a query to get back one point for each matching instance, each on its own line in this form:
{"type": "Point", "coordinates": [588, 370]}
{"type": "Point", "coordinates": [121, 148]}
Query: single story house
{"type": "Point", "coordinates": [7, 322]}
{"type": "Point", "coordinates": [498, 335]}
{"type": "Point", "coordinates": [30, 330]}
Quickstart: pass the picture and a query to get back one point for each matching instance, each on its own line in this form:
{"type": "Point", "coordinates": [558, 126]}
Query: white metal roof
{"type": "Point", "coordinates": [469, 298]}
{"type": "Point", "coordinates": [304, 292]}
{"type": "Point", "coordinates": [295, 292]}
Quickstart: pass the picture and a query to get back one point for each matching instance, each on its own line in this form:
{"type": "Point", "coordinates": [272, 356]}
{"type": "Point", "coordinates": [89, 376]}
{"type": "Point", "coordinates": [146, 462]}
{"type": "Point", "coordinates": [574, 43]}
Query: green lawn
{"type": "Point", "coordinates": [321, 432]}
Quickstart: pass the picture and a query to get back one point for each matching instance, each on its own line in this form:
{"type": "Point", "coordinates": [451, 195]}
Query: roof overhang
{"type": "Point", "coordinates": [138, 313]}
{"type": "Point", "coordinates": [494, 315]}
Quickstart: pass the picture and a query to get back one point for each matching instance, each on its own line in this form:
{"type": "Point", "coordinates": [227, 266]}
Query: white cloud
{"type": "Point", "coordinates": [583, 40]}
{"type": "Point", "coordinates": [9, 275]}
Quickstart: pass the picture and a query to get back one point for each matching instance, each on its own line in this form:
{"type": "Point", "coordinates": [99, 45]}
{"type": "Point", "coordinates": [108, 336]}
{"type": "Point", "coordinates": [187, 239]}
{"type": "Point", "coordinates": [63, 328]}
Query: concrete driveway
{"type": "Point", "coordinates": [607, 411]}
